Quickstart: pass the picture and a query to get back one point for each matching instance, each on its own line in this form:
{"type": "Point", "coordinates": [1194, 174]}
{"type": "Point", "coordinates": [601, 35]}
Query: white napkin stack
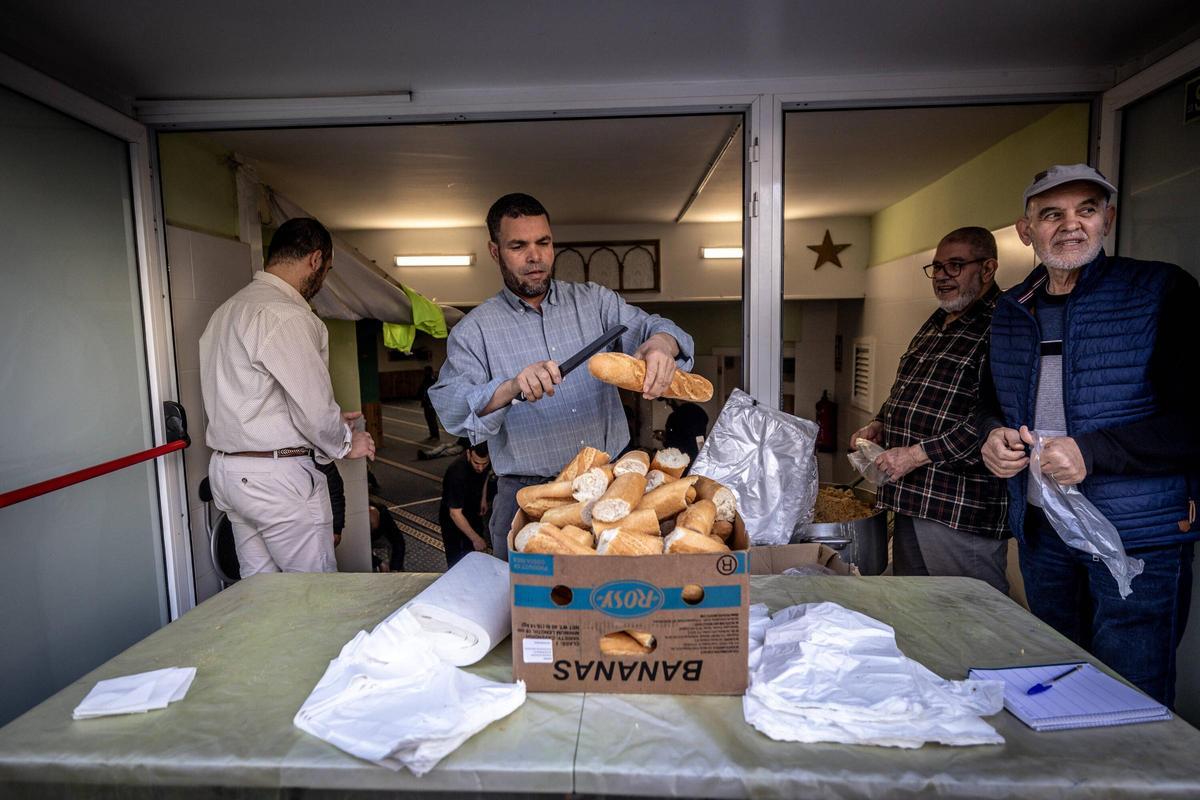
{"type": "Point", "coordinates": [395, 696]}
{"type": "Point", "coordinates": [822, 673]}
{"type": "Point", "coordinates": [136, 694]}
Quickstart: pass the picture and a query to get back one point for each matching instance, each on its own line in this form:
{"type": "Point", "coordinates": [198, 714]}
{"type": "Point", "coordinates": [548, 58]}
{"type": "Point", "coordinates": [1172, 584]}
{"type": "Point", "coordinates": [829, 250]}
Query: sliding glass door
{"type": "Point", "coordinates": [82, 573]}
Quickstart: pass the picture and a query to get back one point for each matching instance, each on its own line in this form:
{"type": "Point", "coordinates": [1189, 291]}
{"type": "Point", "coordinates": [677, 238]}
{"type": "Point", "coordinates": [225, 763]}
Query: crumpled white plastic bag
{"type": "Point", "coordinates": [823, 673]}
{"type": "Point", "coordinates": [1080, 524]}
{"type": "Point", "coordinates": [389, 698]}
{"type": "Point", "coordinates": [768, 460]}
{"type": "Point", "coordinates": [862, 458]}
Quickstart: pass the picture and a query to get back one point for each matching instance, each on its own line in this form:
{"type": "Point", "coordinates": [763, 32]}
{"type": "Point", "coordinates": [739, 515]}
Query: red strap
{"type": "Point", "coordinates": [72, 478]}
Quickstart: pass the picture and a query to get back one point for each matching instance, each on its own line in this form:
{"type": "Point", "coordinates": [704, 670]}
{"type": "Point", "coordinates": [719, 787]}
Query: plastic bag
{"type": "Point", "coordinates": [863, 460]}
{"type": "Point", "coordinates": [1080, 525]}
{"type": "Point", "coordinates": [768, 460]}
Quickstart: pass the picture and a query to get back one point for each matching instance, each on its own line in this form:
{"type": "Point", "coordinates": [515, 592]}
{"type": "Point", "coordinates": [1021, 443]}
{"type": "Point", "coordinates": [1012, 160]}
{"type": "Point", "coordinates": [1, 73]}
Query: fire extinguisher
{"type": "Point", "coordinates": [827, 424]}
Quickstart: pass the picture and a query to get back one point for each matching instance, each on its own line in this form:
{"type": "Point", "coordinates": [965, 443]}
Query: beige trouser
{"type": "Point", "coordinates": [280, 511]}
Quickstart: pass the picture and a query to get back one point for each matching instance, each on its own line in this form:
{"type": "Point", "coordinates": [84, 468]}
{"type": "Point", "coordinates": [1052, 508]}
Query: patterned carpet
{"type": "Point", "coordinates": [410, 487]}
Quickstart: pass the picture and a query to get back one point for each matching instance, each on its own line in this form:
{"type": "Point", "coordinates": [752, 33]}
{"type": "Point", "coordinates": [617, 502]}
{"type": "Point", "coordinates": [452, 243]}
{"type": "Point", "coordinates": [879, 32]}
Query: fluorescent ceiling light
{"type": "Point", "coordinates": [720, 252]}
{"type": "Point", "coordinates": [435, 261]}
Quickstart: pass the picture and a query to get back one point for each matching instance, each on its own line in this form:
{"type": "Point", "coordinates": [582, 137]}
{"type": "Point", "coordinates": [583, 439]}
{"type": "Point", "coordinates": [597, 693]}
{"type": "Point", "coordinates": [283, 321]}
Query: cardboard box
{"type": "Point", "coordinates": [774, 559]}
{"type": "Point", "coordinates": [562, 605]}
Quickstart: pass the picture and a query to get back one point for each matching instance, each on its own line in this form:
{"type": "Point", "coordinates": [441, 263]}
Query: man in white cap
{"type": "Point", "coordinates": [1094, 353]}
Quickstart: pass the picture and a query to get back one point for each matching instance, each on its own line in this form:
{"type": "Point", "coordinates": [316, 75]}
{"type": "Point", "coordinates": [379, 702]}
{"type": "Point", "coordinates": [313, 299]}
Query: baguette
{"type": "Point", "coordinates": [671, 462]}
{"type": "Point", "coordinates": [576, 535]}
{"type": "Point", "coordinates": [534, 509]}
{"type": "Point", "coordinates": [577, 514]}
{"type": "Point", "coordinates": [670, 498]}
{"type": "Point", "coordinates": [616, 542]}
{"type": "Point", "coordinates": [722, 497]}
{"type": "Point", "coordinates": [620, 643]}
{"type": "Point", "coordinates": [644, 638]}
{"type": "Point", "coordinates": [538, 537]}
{"type": "Point", "coordinates": [621, 498]}
{"type": "Point", "coordinates": [656, 478]}
{"type": "Point", "coordinates": [641, 521]}
{"type": "Point", "coordinates": [698, 517]}
{"type": "Point", "coordinates": [587, 458]}
{"type": "Point", "coordinates": [556, 490]}
{"type": "Point", "coordinates": [722, 529]}
{"type": "Point", "coordinates": [634, 461]}
{"type": "Point", "coordinates": [684, 541]}
{"type": "Point", "coordinates": [628, 372]}
{"type": "Point", "coordinates": [590, 485]}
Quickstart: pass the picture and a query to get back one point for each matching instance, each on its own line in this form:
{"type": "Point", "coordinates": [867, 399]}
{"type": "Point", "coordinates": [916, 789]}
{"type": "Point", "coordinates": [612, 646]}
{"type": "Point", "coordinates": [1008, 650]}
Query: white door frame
{"type": "Point", "coordinates": [155, 306]}
{"type": "Point", "coordinates": [1114, 101]}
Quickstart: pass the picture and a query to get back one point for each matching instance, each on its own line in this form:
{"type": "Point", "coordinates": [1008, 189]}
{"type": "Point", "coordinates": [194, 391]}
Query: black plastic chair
{"type": "Point", "coordinates": [221, 547]}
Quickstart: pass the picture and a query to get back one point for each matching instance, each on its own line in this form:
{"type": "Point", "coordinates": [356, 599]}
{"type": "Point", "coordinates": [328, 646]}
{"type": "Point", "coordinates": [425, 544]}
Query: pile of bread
{"type": "Point", "coordinates": [634, 506]}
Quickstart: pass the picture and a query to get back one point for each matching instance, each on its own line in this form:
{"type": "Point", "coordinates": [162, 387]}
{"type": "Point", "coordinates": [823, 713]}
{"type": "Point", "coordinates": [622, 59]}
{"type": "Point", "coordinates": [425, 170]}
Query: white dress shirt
{"type": "Point", "coordinates": [264, 374]}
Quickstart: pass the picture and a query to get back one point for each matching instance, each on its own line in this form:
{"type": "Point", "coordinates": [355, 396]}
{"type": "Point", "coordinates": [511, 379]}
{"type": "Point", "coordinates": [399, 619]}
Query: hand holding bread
{"type": "Point", "coordinates": [628, 372]}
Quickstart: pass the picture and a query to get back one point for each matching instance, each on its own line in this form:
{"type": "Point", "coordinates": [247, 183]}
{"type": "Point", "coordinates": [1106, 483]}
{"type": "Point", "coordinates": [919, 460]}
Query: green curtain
{"type": "Point", "coordinates": [427, 317]}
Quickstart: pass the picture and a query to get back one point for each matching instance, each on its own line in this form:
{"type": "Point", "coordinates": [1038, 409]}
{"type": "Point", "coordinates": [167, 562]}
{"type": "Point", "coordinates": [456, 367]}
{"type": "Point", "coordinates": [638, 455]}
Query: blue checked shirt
{"type": "Point", "coordinates": [502, 336]}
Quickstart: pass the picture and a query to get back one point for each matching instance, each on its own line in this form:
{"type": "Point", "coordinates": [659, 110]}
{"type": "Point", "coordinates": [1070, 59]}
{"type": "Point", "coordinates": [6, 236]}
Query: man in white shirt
{"type": "Point", "coordinates": [264, 374]}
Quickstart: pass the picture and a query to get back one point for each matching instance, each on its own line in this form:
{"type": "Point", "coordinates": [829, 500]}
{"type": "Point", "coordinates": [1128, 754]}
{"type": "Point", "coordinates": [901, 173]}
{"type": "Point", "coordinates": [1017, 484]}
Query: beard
{"type": "Point", "coordinates": [312, 284]}
{"type": "Point", "coordinates": [522, 287]}
{"type": "Point", "coordinates": [966, 296]}
{"type": "Point", "coordinates": [1071, 262]}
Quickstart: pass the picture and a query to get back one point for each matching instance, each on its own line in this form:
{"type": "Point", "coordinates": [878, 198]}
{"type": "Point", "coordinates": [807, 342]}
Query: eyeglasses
{"type": "Point", "coordinates": [951, 268]}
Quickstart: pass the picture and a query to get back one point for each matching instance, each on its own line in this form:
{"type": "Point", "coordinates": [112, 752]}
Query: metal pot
{"type": "Point", "coordinates": [861, 542]}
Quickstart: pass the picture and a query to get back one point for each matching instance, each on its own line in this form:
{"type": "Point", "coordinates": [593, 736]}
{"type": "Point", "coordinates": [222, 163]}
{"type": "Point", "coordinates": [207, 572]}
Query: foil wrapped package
{"type": "Point", "coordinates": [768, 459]}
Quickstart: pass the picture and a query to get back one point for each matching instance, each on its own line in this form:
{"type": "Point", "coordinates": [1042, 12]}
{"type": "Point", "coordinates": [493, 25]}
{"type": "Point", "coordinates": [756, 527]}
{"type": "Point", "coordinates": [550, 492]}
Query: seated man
{"type": "Point", "coordinates": [461, 512]}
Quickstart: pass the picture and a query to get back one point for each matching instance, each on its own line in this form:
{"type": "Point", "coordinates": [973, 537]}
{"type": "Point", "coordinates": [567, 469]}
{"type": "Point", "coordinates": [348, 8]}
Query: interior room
{"type": "Point", "coordinates": [774, 177]}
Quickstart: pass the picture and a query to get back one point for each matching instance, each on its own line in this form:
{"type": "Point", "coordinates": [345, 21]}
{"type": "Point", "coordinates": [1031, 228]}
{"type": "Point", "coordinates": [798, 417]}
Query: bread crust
{"type": "Point", "coordinates": [628, 372]}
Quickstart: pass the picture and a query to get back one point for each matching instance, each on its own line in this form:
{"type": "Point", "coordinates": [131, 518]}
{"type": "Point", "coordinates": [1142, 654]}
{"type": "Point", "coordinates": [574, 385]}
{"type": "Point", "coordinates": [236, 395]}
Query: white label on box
{"type": "Point", "coordinates": [538, 651]}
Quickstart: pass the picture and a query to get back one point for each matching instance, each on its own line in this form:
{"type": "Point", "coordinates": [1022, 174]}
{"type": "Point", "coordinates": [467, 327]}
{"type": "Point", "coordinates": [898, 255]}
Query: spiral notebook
{"type": "Point", "coordinates": [1086, 699]}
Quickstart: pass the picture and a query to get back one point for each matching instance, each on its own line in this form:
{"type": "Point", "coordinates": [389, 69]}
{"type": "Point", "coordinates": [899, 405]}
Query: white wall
{"type": "Point", "coordinates": [685, 276]}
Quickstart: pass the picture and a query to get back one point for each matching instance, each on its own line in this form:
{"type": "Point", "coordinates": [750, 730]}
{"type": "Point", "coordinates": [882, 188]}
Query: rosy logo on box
{"type": "Point", "coordinates": [627, 598]}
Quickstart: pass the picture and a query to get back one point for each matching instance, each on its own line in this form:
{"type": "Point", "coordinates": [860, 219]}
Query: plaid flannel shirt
{"type": "Point", "coordinates": [933, 403]}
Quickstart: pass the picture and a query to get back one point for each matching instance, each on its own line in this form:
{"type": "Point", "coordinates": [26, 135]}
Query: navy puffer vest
{"type": "Point", "coordinates": [1109, 332]}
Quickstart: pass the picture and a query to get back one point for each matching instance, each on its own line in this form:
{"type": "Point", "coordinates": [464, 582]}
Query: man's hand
{"type": "Point", "coordinates": [361, 444]}
{"type": "Point", "coordinates": [899, 461]}
{"type": "Point", "coordinates": [872, 433]}
{"type": "Point", "coordinates": [537, 380]}
{"type": "Point", "coordinates": [1061, 460]}
{"type": "Point", "coordinates": [1003, 452]}
{"type": "Point", "coordinates": [478, 543]}
{"type": "Point", "coordinates": [337, 539]}
{"type": "Point", "coordinates": [659, 353]}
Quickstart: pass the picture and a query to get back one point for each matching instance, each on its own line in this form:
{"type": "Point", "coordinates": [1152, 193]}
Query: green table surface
{"type": "Point", "coordinates": [260, 646]}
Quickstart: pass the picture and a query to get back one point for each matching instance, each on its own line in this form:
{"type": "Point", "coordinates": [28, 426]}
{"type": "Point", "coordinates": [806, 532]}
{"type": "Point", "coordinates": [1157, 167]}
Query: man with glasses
{"type": "Point", "coordinates": [950, 511]}
{"type": "Point", "coordinates": [1097, 354]}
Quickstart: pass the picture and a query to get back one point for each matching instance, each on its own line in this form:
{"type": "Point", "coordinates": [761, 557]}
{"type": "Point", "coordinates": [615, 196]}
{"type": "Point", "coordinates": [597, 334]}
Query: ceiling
{"type": "Point", "coordinates": [302, 48]}
{"type": "Point", "coordinates": [613, 171]}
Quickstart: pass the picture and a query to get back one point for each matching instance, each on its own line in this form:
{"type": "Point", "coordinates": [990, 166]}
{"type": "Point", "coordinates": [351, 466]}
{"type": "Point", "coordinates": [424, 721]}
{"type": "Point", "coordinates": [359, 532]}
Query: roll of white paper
{"type": "Point", "coordinates": [465, 613]}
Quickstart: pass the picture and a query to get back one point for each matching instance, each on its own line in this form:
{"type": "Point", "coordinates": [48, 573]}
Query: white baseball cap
{"type": "Point", "coordinates": [1066, 173]}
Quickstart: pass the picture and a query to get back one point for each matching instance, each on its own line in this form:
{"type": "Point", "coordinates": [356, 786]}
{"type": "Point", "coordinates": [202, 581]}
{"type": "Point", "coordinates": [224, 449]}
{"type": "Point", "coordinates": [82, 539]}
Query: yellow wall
{"type": "Point", "coordinates": [984, 191]}
{"type": "Point", "coordinates": [199, 188]}
{"type": "Point", "coordinates": [343, 363]}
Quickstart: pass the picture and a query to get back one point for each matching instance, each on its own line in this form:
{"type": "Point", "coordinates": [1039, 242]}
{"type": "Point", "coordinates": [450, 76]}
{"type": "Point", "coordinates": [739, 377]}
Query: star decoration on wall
{"type": "Point", "coordinates": [827, 251]}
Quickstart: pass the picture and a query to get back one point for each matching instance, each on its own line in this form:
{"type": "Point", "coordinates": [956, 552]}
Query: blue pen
{"type": "Point", "coordinates": [1044, 686]}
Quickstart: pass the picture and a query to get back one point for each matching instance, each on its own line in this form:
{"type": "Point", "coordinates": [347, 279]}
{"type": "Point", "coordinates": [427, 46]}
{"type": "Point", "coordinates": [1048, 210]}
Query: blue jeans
{"type": "Point", "coordinates": [1076, 595]}
{"type": "Point", "coordinates": [504, 508]}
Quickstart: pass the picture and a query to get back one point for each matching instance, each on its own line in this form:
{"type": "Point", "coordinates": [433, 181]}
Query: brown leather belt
{"type": "Point", "coordinates": [287, 452]}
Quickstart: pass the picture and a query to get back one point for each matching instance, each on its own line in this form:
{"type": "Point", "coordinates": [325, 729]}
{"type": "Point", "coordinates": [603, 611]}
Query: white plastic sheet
{"type": "Point", "coordinates": [823, 673]}
{"type": "Point", "coordinates": [768, 460]}
{"type": "Point", "coordinates": [1080, 524]}
{"type": "Point", "coordinates": [465, 612]}
{"type": "Point", "coordinates": [388, 698]}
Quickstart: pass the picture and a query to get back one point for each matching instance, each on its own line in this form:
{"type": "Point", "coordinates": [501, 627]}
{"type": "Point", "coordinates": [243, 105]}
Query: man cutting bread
{"type": "Point", "coordinates": [510, 346]}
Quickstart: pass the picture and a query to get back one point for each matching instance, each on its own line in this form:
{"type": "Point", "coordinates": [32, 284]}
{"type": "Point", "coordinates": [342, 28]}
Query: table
{"type": "Point", "coordinates": [260, 646]}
